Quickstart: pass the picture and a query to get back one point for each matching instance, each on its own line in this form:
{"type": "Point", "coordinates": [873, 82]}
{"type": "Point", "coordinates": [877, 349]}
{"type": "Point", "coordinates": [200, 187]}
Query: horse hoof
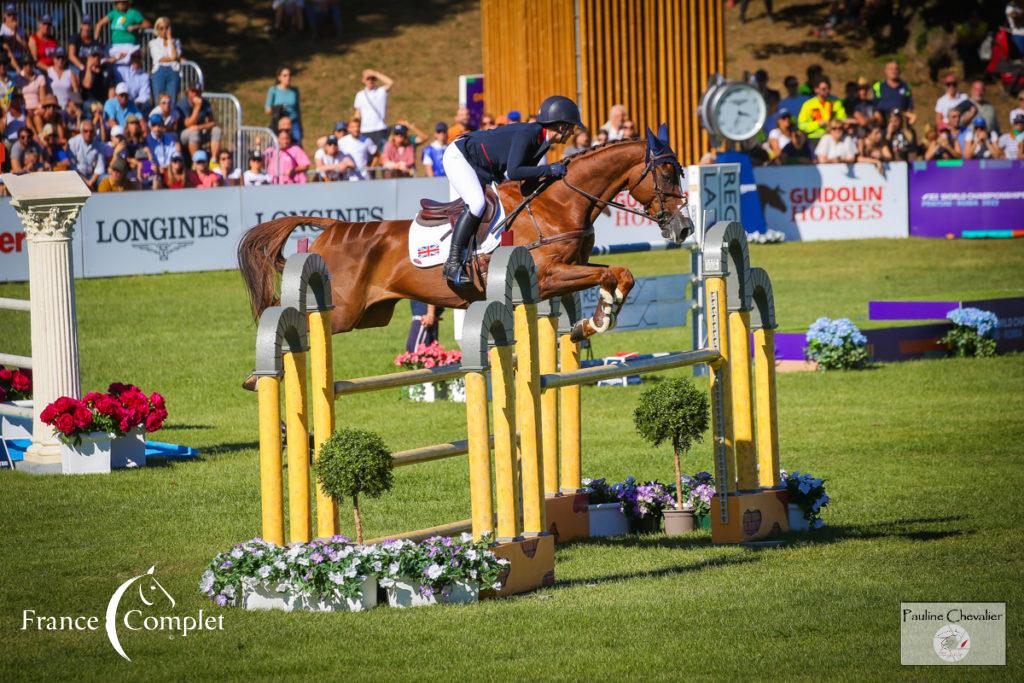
{"type": "Point", "coordinates": [578, 333]}
{"type": "Point", "coordinates": [250, 383]}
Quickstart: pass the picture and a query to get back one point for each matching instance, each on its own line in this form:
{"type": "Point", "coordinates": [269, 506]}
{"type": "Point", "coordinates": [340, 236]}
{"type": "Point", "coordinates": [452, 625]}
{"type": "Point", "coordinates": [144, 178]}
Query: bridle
{"type": "Point", "coordinates": [663, 215]}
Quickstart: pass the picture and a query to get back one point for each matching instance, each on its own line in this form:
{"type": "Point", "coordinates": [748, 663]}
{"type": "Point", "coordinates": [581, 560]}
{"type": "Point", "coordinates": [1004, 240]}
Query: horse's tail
{"type": "Point", "coordinates": [260, 258]}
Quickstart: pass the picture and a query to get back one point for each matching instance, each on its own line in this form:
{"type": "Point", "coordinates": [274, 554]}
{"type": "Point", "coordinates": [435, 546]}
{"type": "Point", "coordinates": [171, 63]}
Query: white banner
{"type": "Point", "coordinates": [131, 233]}
{"type": "Point", "coordinates": [834, 201]}
{"type": "Point", "coordinates": [615, 226]}
{"type": "Point", "coordinates": [14, 246]}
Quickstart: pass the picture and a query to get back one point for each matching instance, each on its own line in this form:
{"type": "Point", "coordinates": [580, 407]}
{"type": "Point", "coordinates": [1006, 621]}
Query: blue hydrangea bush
{"type": "Point", "coordinates": [808, 493]}
{"type": "Point", "coordinates": [972, 333]}
{"type": "Point", "coordinates": [836, 345]}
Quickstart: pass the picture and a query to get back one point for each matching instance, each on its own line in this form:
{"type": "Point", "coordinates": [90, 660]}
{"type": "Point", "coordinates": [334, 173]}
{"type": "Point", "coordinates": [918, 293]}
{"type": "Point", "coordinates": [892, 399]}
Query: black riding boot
{"type": "Point", "coordinates": [462, 231]}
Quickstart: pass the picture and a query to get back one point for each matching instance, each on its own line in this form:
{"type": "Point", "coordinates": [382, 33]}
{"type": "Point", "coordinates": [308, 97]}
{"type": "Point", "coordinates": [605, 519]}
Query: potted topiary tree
{"type": "Point", "coordinates": [674, 410]}
{"type": "Point", "coordinates": [354, 462]}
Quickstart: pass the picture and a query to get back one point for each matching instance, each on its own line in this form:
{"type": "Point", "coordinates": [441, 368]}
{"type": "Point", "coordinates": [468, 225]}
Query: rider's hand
{"type": "Point", "coordinates": [556, 170]}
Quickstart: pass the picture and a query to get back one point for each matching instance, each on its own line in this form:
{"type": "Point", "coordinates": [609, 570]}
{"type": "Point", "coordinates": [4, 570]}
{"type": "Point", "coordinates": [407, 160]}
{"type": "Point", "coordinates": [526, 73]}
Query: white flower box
{"type": "Point", "coordinates": [129, 451]}
{"type": "Point", "coordinates": [796, 519]}
{"type": "Point", "coordinates": [262, 596]}
{"type": "Point", "coordinates": [607, 519]}
{"type": "Point", "coordinates": [12, 427]}
{"type": "Point", "coordinates": [405, 592]}
{"type": "Point", "coordinates": [430, 392]}
{"type": "Point", "coordinates": [91, 456]}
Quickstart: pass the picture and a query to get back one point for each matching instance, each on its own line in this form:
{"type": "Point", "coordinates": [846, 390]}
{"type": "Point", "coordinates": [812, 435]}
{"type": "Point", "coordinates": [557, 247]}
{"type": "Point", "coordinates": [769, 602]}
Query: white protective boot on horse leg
{"type": "Point", "coordinates": [602, 320]}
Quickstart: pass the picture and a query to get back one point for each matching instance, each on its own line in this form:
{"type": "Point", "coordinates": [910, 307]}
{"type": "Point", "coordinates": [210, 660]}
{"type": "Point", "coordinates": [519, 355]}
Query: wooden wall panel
{"type": "Point", "coordinates": [654, 56]}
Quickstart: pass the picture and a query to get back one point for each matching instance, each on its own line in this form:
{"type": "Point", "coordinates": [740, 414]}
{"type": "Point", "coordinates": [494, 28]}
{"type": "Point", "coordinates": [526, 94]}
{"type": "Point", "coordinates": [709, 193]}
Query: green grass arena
{"type": "Point", "coordinates": [924, 462]}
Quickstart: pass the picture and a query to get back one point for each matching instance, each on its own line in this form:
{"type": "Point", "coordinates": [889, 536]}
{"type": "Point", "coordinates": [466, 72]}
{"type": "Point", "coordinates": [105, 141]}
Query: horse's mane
{"type": "Point", "coordinates": [576, 156]}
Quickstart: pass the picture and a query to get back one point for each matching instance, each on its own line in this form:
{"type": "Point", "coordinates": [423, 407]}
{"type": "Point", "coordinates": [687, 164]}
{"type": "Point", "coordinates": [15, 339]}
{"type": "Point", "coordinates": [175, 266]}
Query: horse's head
{"type": "Point", "coordinates": [657, 185]}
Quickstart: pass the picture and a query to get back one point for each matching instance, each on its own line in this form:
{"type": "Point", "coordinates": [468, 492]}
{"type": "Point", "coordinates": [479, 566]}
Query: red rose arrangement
{"type": "Point", "coordinates": [15, 384]}
{"type": "Point", "coordinates": [123, 408]}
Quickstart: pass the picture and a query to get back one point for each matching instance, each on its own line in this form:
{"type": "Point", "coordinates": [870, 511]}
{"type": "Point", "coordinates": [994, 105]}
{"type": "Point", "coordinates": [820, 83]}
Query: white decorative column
{"type": "Point", "coordinates": [48, 205]}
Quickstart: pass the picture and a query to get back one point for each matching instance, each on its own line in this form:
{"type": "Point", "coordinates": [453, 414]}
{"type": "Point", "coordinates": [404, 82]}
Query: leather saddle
{"type": "Point", "coordinates": [434, 213]}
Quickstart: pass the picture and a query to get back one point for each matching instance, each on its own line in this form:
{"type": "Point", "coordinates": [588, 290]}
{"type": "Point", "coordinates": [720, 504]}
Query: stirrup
{"type": "Point", "coordinates": [459, 275]}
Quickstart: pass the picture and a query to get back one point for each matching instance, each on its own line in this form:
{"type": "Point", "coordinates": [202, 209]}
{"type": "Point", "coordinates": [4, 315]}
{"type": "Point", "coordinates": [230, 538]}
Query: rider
{"type": "Point", "coordinates": [510, 152]}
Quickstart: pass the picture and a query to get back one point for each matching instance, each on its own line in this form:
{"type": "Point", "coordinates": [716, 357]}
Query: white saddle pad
{"type": "Point", "coordinates": [429, 244]}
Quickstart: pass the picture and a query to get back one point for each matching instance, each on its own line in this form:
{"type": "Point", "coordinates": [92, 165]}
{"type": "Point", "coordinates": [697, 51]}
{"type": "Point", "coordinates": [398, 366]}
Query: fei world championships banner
{"type": "Point", "coordinates": [951, 198]}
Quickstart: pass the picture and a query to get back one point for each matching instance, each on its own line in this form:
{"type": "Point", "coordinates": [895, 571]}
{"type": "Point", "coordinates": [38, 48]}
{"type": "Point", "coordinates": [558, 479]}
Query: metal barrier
{"type": "Point", "coordinates": [146, 35]}
{"type": "Point", "coordinates": [65, 15]}
{"type": "Point", "coordinates": [227, 112]}
{"type": "Point", "coordinates": [191, 75]}
{"type": "Point", "coordinates": [258, 139]}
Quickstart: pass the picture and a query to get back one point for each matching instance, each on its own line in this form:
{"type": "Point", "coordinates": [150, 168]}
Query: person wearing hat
{"type": "Point", "coordinates": [161, 144]}
{"type": "Point", "coordinates": [255, 175]}
{"type": "Point", "coordinates": [434, 152]}
{"type": "Point", "coordinates": [398, 157]}
{"type": "Point", "coordinates": [176, 175]}
{"type": "Point", "coordinates": [901, 136]}
{"type": "Point", "coordinates": [947, 100]}
{"type": "Point", "coordinates": [83, 44]}
{"type": "Point", "coordinates": [11, 33]}
{"type": "Point", "coordinates": [782, 134]}
{"type": "Point", "coordinates": [87, 154]}
{"type": "Point", "coordinates": [135, 77]}
{"type": "Point", "coordinates": [514, 152]}
{"type": "Point", "coordinates": [116, 146]}
{"type": "Point", "coordinates": [119, 107]}
{"type": "Point", "coordinates": [72, 114]}
{"type": "Point", "coordinates": [51, 115]}
{"type": "Point", "coordinates": [1011, 142]}
{"type": "Point", "coordinates": [981, 144]}
{"type": "Point", "coordinates": [201, 176]}
{"type": "Point", "coordinates": [118, 180]}
{"type": "Point", "coordinates": [126, 24]}
{"type": "Point", "coordinates": [42, 43]}
{"type": "Point", "coordinates": [331, 164]}
{"type": "Point", "coordinates": [63, 81]}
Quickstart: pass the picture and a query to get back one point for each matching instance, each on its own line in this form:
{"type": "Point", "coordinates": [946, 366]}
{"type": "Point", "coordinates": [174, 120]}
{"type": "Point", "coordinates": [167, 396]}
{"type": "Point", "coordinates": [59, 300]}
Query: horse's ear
{"type": "Point", "coordinates": [662, 132]}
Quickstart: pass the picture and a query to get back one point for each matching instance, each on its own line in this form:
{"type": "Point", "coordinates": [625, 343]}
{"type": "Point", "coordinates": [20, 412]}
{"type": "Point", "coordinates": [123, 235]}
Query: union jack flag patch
{"type": "Point", "coordinates": [429, 250]}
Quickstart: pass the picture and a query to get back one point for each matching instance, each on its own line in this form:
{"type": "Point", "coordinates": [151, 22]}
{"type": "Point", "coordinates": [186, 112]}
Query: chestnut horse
{"type": "Point", "coordinates": [371, 270]}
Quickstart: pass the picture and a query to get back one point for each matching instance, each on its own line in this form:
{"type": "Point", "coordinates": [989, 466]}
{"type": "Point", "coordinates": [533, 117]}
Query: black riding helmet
{"type": "Point", "coordinates": [558, 109]}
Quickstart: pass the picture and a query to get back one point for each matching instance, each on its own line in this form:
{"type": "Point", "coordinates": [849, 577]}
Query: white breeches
{"type": "Point", "coordinates": [463, 181]}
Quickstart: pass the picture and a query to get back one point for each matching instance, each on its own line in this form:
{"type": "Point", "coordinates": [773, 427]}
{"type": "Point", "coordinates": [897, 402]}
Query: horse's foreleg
{"type": "Point", "coordinates": [614, 282]}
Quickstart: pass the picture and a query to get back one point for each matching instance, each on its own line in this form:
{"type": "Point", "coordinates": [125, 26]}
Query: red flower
{"type": "Point", "coordinates": [155, 421]}
{"type": "Point", "coordinates": [3, 394]}
{"type": "Point", "coordinates": [83, 416]}
{"type": "Point", "coordinates": [105, 404]}
{"type": "Point", "coordinates": [117, 388]}
{"type": "Point", "coordinates": [21, 382]}
{"type": "Point", "coordinates": [65, 424]}
{"type": "Point", "coordinates": [157, 400]}
{"type": "Point", "coordinates": [49, 412]}
{"type": "Point", "coordinates": [5, 374]}
{"type": "Point", "coordinates": [64, 403]}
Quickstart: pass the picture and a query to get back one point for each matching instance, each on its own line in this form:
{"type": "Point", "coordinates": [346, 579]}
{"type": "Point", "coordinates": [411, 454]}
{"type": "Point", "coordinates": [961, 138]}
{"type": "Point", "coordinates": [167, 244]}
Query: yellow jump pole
{"type": "Point", "coordinates": [570, 408]}
{"type": "Point", "coordinates": [322, 384]}
{"type": "Point", "coordinates": [296, 421]}
{"type": "Point", "coordinates": [547, 340]}
{"type": "Point", "coordinates": [527, 382]}
{"type": "Point", "coordinates": [490, 322]}
{"type": "Point", "coordinates": [718, 380]}
{"type": "Point", "coordinates": [762, 320]}
{"type": "Point", "coordinates": [306, 286]}
{"type": "Point", "coordinates": [742, 411]}
{"type": "Point", "coordinates": [478, 435]}
{"type": "Point", "coordinates": [281, 343]}
{"type": "Point", "coordinates": [271, 483]}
